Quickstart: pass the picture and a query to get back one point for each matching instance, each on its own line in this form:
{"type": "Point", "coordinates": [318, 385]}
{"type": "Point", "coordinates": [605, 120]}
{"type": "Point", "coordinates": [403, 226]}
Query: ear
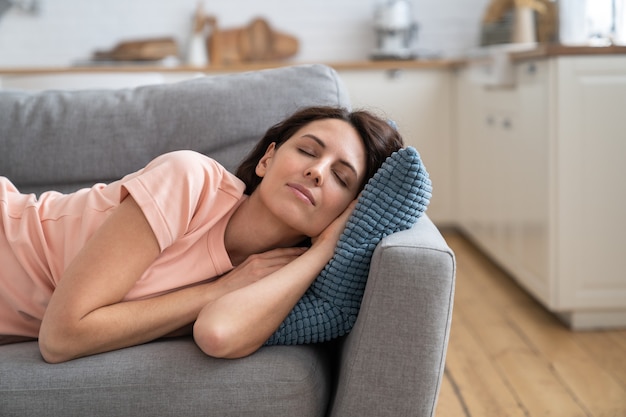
{"type": "Point", "coordinates": [261, 167]}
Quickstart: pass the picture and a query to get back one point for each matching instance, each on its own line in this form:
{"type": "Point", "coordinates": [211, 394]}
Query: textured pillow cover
{"type": "Point", "coordinates": [393, 199]}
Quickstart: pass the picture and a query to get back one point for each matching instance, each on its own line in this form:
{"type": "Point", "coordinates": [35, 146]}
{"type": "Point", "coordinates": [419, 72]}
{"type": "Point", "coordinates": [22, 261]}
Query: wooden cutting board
{"type": "Point", "coordinates": [140, 50]}
{"type": "Point", "coordinates": [255, 42]}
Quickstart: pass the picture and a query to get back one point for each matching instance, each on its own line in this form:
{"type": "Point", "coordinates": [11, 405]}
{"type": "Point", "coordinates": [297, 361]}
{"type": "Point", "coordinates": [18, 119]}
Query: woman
{"type": "Point", "coordinates": [122, 264]}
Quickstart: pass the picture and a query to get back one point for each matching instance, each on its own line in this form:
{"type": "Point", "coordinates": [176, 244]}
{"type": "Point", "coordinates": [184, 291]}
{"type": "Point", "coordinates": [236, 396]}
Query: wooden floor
{"type": "Point", "coordinates": [509, 357]}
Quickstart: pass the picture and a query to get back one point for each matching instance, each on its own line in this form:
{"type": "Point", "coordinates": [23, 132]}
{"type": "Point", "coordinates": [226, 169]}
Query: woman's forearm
{"type": "Point", "coordinates": [127, 323]}
{"type": "Point", "coordinates": [123, 324]}
{"type": "Point", "coordinates": [238, 323]}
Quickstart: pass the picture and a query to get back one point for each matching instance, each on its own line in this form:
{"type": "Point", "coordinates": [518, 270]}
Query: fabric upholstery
{"type": "Point", "coordinates": [402, 328]}
{"type": "Point", "coordinates": [65, 140]}
{"type": "Point", "coordinates": [171, 377]}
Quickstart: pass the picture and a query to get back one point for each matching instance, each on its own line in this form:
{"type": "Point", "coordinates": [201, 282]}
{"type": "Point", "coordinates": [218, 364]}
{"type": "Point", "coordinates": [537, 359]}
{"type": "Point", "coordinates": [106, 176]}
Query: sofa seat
{"type": "Point", "coordinates": [166, 377]}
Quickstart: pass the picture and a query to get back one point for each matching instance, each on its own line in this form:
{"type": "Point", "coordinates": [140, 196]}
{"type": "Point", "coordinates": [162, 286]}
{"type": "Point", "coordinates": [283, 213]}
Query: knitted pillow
{"type": "Point", "coordinates": [393, 199]}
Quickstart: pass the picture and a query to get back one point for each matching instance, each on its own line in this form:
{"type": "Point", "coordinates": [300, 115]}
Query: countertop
{"type": "Point", "coordinates": [538, 52]}
{"type": "Point", "coordinates": [346, 65]}
{"type": "Point", "coordinates": [553, 50]}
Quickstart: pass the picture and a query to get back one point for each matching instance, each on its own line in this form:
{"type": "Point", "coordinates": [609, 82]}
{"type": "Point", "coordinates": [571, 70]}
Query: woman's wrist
{"type": "Point", "coordinates": [323, 250]}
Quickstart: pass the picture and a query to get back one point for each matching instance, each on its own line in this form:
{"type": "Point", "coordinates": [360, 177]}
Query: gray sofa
{"type": "Point", "coordinates": [391, 364]}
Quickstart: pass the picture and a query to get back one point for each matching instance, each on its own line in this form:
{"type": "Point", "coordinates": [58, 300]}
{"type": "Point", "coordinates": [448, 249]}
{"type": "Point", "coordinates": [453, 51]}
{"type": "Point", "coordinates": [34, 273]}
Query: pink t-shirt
{"type": "Point", "coordinates": [186, 197]}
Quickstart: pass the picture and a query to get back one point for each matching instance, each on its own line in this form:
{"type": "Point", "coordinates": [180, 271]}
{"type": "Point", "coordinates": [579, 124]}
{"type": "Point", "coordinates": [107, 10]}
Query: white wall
{"type": "Point", "coordinates": [65, 31]}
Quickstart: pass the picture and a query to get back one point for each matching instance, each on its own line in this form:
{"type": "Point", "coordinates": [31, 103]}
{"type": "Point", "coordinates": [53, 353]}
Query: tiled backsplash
{"type": "Point", "coordinates": [65, 31]}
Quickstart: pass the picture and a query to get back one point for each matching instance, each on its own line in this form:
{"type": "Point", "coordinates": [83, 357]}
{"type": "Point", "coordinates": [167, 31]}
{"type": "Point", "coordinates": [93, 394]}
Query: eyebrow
{"type": "Point", "coordinates": [323, 145]}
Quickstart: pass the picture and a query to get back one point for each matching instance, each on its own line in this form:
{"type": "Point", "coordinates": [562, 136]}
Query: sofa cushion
{"type": "Point", "coordinates": [65, 140]}
{"type": "Point", "coordinates": [165, 378]}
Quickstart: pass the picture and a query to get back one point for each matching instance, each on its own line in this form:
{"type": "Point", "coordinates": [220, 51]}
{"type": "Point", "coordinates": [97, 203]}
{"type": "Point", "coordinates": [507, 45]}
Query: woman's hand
{"type": "Point", "coordinates": [258, 266]}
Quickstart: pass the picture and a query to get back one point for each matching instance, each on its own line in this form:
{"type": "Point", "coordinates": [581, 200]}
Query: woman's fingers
{"type": "Point", "coordinates": [260, 265]}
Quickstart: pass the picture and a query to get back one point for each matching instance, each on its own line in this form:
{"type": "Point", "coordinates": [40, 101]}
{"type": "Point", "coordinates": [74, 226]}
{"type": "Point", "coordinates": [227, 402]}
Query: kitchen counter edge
{"type": "Point", "coordinates": [540, 51]}
{"type": "Point", "coordinates": [140, 67]}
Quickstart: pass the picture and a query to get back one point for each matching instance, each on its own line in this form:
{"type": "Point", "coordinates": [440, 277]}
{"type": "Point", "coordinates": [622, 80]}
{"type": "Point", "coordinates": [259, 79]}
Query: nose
{"type": "Point", "coordinates": [315, 173]}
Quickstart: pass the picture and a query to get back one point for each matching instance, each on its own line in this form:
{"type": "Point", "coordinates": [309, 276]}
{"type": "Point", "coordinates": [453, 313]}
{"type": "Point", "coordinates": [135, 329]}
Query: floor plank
{"type": "Point", "coordinates": [607, 350]}
{"type": "Point", "coordinates": [480, 385]}
{"type": "Point", "coordinates": [508, 356]}
{"type": "Point", "coordinates": [581, 372]}
{"type": "Point", "coordinates": [449, 399]}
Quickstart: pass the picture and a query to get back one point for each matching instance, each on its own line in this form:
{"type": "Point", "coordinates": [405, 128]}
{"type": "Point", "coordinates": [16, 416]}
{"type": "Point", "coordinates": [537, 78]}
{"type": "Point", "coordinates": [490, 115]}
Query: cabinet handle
{"type": "Point", "coordinates": [531, 69]}
{"type": "Point", "coordinates": [507, 124]}
{"type": "Point", "coordinates": [490, 121]}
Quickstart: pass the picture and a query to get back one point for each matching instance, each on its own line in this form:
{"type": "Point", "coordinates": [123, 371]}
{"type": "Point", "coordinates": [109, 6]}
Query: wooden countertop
{"type": "Point", "coordinates": [541, 51]}
{"type": "Point", "coordinates": [554, 50]}
{"type": "Point", "coordinates": [347, 65]}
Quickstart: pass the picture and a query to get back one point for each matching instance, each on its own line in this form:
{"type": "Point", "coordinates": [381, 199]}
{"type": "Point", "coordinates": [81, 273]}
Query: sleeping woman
{"type": "Point", "coordinates": [182, 245]}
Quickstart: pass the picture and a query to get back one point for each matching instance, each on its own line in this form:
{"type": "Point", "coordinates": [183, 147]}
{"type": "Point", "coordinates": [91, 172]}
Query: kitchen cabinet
{"type": "Point", "coordinates": [540, 181]}
{"type": "Point", "coordinates": [420, 102]}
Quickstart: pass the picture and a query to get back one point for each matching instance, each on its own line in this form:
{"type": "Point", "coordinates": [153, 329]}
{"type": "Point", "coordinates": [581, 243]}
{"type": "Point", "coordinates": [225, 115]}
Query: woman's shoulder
{"type": "Point", "coordinates": [187, 159]}
{"type": "Point", "coordinates": [191, 167]}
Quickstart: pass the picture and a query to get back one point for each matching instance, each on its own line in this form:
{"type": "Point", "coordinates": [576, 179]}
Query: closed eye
{"type": "Point", "coordinates": [340, 179]}
{"type": "Point", "coordinates": [306, 152]}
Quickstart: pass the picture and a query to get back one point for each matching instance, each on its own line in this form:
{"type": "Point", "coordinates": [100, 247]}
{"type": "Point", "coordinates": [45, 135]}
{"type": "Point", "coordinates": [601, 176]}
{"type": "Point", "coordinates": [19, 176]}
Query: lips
{"type": "Point", "coordinates": [302, 192]}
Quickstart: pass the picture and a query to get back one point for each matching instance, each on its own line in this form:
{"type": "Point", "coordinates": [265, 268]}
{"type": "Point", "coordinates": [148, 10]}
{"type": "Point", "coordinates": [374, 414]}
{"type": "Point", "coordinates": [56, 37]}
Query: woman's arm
{"type": "Point", "coordinates": [238, 323]}
{"type": "Point", "coordinates": [86, 314]}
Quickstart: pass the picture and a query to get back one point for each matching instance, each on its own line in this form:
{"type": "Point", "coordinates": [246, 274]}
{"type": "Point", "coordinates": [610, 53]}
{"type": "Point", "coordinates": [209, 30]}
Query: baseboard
{"type": "Point", "coordinates": [594, 319]}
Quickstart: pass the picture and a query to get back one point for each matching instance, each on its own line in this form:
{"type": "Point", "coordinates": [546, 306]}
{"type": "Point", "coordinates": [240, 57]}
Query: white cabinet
{"type": "Point", "coordinates": [541, 181]}
{"type": "Point", "coordinates": [420, 102]}
{"type": "Point", "coordinates": [591, 159]}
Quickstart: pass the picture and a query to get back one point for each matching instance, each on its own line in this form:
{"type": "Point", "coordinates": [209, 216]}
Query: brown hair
{"type": "Point", "coordinates": [378, 136]}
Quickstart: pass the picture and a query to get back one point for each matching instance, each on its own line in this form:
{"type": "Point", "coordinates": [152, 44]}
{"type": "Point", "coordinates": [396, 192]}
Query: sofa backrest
{"type": "Point", "coordinates": [65, 140]}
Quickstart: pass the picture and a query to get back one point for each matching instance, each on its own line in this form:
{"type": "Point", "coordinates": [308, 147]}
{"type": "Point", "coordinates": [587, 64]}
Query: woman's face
{"type": "Point", "coordinates": [313, 176]}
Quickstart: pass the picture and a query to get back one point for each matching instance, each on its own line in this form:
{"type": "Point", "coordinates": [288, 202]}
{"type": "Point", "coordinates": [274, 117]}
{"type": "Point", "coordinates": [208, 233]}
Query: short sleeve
{"type": "Point", "coordinates": [170, 189]}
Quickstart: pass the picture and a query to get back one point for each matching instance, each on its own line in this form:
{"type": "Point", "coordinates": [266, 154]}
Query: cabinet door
{"type": "Point", "coordinates": [591, 198]}
{"type": "Point", "coordinates": [472, 172]}
{"type": "Point", "coordinates": [503, 179]}
{"type": "Point", "coordinates": [483, 137]}
{"type": "Point", "coordinates": [419, 101]}
{"type": "Point", "coordinates": [532, 182]}
{"type": "Point", "coordinates": [500, 113]}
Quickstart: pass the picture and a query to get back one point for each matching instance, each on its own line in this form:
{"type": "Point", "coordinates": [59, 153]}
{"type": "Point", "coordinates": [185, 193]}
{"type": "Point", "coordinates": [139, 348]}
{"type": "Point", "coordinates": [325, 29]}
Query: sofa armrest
{"type": "Point", "coordinates": [392, 362]}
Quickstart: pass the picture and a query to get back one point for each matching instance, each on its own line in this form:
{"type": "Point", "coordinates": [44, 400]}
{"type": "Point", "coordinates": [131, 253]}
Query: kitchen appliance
{"type": "Point", "coordinates": [395, 30]}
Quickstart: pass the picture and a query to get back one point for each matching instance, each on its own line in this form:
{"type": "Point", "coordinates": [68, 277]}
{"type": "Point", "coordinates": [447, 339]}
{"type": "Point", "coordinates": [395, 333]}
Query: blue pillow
{"type": "Point", "coordinates": [393, 199]}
